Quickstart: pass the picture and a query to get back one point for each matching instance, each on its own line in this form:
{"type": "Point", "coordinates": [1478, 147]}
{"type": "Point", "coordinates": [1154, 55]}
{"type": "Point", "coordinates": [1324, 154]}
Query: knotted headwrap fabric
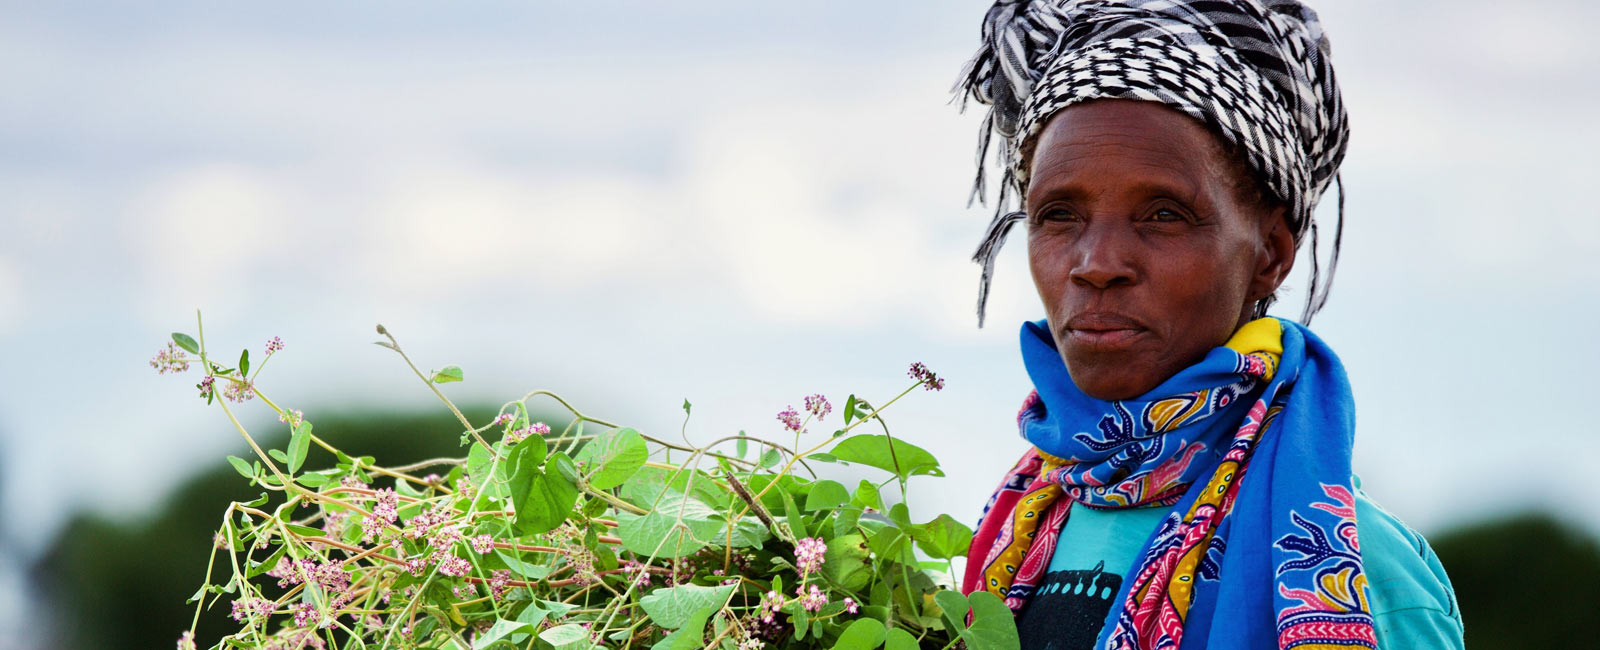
{"type": "Point", "coordinates": [1256, 72]}
{"type": "Point", "coordinates": [1250, 449]}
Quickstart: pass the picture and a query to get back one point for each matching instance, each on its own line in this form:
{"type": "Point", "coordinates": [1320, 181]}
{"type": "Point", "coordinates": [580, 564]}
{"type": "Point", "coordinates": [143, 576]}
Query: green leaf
{"type": "Point", "coordinates": [522, 462]}
{"type": "Point", "coordinates": [769, 459]}
{"type": "Point", "coordinates": [499, 631]}
{"type": "Point", "coordinates": [278, 455]}
{"type": "Point", "coordinates": [850, 409]}
{"type": "Point", "coordinates": [645, 534]}
{"type": "Point", "coordinates": [331, 476]}
{"type": "Point", "coordinates": [993, 625]}
{"type": "Point", "coordinates": [538, 610]}
{"type": "Point", "coordinates": [267, 564]}
{"type": "Point", "coordinates": [942, 538]}
{"type": "Point", "coordinates": [953, 608]}
{"type": "Point", "coordinates": [748, 532]}
{"type": "Point", "coordinates": [185, 342]}
{"type": "Point", "coordinates": [845, 562]}
{"type": "Point", "coordinates": [672, 607]}
{"type": "Point", "coordinates": [244, 362]}
{"type": "Point", "coordinates": [447, 374]}
{"type": "Point", "coordinates": [303, 531]}
{"type": "Point", "coordinates": [792, 514]}
{"type": "Point", "coordinates": [478, 459]}
{"type": "Point", "coordinates": [875, 450]}
{"type": "Point", "coordinates": [891, 544]}
{"type": "Point", "coordinates": [826, 495]}
{"type": "Point", "coordinates": [240, 466]}
{"type": "Point", "coordinates": [563, 634]}
{"type": "Point", "coordinates": [899, 639]}
{"type": "Point", "coordinates": [799, 618]}
{"type": "Point", "coordinates": [845, 521]}
{"type": "Point", "coordinates": [900, 515]}
{"type": "Point", "coordinates": [299, 444]}
{"type": "Point", "coordinates": [690, 636]}
{"type": "Point", "coordinates": [741, 447]}
{"type": "Point", "coordinates": [521, 569]}
{"type": "Point", "coordinates": [867, 496]}
{"type": "Point", "coordinates": [686, 406]}
{"type": "Point", "coordinates": [613, 458]}
{"type": "Point", "coordinates": [864, 634]}
{"type": "Point", "coordinates": [548, 499]}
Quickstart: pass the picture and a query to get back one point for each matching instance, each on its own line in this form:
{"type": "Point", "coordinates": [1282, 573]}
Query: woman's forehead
{"type": "Point", "coordinates": [1138, 142]}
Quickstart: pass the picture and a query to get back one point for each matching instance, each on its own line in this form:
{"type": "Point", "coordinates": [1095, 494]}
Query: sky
{"type": "Point", "coordinates": [738, 204]}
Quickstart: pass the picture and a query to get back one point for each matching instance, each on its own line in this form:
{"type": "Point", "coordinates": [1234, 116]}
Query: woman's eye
{"type": "Point", "coordinates": [1056, 214]}
{"type": "Point", "coordinates": [1165, 215]}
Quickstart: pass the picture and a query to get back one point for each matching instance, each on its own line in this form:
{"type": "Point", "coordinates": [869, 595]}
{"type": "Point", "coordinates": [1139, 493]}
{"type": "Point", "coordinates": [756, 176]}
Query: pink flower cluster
{"type": "Point", "coordinates": [499, 583]}
{"type": "Point", "coordinates": [578, 556]}
{"type": "Point", "coordinates": [244, 608]}
{"type": "Point", "coordinates": [750, 641]}
{"type": "Point", "coordinates": [639, 568]}
{"type": "Point", "coordinates": [930, 381]}
{"type": "Point", "coordinates": [790, 419]}
{"type": "Point", "coordinates": [455, 566]}
{"type": "Point", "coordinates": [238, 391]}
{"type": "Point", "coordinates": [818, 405]}
{"type": "Point", "coordinates": [443, 540]}
{"type": "Point", "coordinates": [331, 576]}
{"type": "Point", "coordinates": [292, 418]}
{"type": "Point", "coordinates": [171, 359]}
{"type": "Point", "coordinates": [771, 602]}
{"type": "Point", "coordinates": [304, 613]}
{"type": "Point", "coordinates": [808, 554]}
{"type": "Point", "coordinates": [811, 597]}
{"type": "Point", "coordinates": [274, 345]}
{"type": "Point", "coordinates": [466, 591]}
{"type": "Point", "coordinates": [421, 525]}
{"type": "Point", "coordinates": [483, 544]}
{"type": "Point", "coordinates": [295, 639]}
{"type": "Point", "coordinates": [851, 606]}
{"type": "Point", "coordinates": [384, 511]}
{"type": "Point", "coordinates": [518, 435]}
{"type": "Point", "coordinates": [334, 522]}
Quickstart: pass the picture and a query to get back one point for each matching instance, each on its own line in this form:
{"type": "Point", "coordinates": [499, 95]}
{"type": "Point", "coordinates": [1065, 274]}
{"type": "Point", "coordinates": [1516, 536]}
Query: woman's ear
{"type": "Point", "coordinates": [1277, 253]}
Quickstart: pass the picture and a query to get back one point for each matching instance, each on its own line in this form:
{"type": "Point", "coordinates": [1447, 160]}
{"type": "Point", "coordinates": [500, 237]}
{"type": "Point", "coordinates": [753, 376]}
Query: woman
{"type": "Point", "coordinates": [1189, 483]}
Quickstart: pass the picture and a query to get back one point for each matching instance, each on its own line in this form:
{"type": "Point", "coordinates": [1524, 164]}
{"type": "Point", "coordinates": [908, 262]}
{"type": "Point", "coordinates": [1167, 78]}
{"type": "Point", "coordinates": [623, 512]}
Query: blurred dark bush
{"type": "Point", "coordinates": [1524, 581]}
{"type": "Point", "coordinates": [123, 585]}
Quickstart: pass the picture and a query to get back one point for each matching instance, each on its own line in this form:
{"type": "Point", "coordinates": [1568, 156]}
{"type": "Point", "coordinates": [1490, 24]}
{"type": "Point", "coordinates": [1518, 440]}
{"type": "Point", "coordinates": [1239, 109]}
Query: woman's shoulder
{"type": "Point", "coordinates": [1412, 602]}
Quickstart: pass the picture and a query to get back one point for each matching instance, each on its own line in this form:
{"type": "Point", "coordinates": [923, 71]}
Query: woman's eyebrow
{"type": "Point", "coordinates": [1178, 188]}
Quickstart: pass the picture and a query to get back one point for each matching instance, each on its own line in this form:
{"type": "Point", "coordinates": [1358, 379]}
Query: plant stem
{"type": "Point", "coordinates": [395, 345]}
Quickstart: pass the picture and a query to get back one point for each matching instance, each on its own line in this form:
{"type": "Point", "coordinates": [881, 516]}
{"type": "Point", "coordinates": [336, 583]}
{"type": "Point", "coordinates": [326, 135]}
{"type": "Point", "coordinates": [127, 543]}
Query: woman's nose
{"type": "Point", "coordinates": [1102, 258]}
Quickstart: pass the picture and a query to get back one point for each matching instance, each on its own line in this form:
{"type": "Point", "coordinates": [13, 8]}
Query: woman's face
{"type": "Point", "coordinates": [1142, 245]}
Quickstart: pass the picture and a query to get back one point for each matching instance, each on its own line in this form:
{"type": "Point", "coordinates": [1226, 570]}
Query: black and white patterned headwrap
{"type": "Point", "coordinates": [1255, 72]}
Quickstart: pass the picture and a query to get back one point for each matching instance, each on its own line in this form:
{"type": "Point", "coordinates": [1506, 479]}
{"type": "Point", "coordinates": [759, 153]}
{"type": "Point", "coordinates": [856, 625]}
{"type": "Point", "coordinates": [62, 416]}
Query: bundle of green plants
{"type": "Point", "coordinates": [589, 534]}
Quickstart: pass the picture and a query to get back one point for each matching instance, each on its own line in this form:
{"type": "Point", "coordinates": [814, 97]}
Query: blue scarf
{"type": "Point", "coordinates": [1268, 561]}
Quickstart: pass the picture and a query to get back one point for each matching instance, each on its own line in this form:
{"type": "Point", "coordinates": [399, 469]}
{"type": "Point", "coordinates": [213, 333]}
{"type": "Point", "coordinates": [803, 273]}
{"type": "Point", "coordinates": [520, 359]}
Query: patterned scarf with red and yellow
{"type": "Point", "coordinates": [1272, 403]}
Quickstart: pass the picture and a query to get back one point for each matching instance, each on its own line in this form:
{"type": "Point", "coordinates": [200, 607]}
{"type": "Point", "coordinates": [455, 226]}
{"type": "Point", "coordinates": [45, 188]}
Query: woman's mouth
{"type": "Point", "coordinates": [1103, 331]}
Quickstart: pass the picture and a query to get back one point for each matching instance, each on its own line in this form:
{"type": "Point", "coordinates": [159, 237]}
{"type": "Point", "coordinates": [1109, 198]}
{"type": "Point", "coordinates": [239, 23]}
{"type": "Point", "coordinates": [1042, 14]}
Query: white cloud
{"type": "Point", "coordinates": [200, 234]}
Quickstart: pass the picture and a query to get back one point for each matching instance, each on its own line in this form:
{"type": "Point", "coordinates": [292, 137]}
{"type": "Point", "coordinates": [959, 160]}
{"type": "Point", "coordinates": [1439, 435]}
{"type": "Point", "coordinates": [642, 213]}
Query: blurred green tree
{"type": "Point", "coordinates": [1524, 581]}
